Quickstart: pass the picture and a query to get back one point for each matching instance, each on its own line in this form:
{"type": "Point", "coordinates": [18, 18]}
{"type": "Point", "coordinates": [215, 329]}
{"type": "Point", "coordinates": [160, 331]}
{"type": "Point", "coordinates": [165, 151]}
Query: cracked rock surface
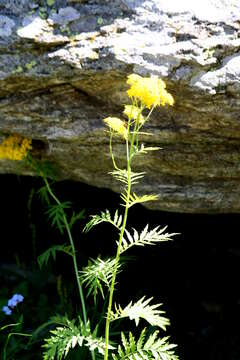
{"type": "Point", "coordinates": [63, 68]}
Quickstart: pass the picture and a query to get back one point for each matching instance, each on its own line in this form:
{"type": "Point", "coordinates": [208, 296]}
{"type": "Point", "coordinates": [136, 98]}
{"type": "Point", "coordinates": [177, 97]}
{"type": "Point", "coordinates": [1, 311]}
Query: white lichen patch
{"type": "Point", "coordinates": [65, 15]}
{"type": "Point", "coordinates": [41, 31]}
{"type": "Point", "coordinates": [228, 74]}
{"type": "Point", "coordinates": [204, 10]}
{"type": "Point", "coordinates": [34, 29]}
{"type": "Point", "coordinates": [6, 25]}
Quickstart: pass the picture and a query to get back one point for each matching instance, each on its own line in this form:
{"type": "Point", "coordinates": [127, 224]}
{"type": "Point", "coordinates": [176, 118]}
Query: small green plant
{"type": "Point", "coordinates": [17, 334]}
{"type": "Point", "coordinates": [63, 338]}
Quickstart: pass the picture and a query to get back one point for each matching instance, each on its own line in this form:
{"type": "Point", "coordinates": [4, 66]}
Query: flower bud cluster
{"type": "Point", "coordinates": [15, 147]}
{"type": "Point", "coordinates": [144, 93]}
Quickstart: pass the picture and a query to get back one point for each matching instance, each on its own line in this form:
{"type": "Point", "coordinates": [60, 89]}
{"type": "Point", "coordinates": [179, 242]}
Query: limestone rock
{"type": "Point", "coordinates": [63, 68]}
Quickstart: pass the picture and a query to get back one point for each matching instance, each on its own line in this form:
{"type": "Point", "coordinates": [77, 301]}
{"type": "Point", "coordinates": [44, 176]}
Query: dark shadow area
{"type": "Point", "coordinates": [196, 276]}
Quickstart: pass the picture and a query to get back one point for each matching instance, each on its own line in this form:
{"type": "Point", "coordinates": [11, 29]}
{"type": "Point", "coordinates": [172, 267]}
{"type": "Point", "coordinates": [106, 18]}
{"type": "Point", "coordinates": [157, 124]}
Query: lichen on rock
{"type": "Point", "coordinates": [6, 25]}
{"type": "Point", "coordinates": [65, 15]}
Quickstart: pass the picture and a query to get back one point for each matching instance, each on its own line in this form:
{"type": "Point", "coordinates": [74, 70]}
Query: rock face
{"type": "Point", "coordinates": [63, 68]}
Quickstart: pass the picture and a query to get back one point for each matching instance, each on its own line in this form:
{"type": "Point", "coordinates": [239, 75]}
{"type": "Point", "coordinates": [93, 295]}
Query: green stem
{"type": "Point", "coordinates": [35, 165]}
{"type": "Point", "coordinates": [6, 344]}
{"type": "Point", "coordinates": [129, 156]}
{"type": "Point", "coordinates": [111, 152]}
{"type": "Point", "coordinates": [113, 280]}
{"type": "Point", "coordinates": [73, 252]}
{"type": "Point", "coordinates": [80, 290]}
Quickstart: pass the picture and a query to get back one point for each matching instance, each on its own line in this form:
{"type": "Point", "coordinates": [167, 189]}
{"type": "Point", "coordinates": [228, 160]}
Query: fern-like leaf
{"type": "Point", "coordinates": [142, 309]}
{"type": "Point", "coordinates": [105, 216]}
{"type": "Point", "coordinates": [51, 252]}
{"type": "Point", "coordinates": [59, 344]}
{"type": "Point", "coordinates": [54, 320]}
{"type": "Point", "coordinates": [152, 348]}
{"type": "Point", "coordinates": [97, 274]}
{"type": "Point", "coordinates": [122, 176]}
{"type": "Point", "coordinates": [44, 195]}
{"type": "Point", "coordinates": [135, 199]}
{"type": "Point", "coordinates": [75, 217]}
{"type": "Point", "coordinates": [56, 214]}
{"type": "Point", "coordinates": [64, 338]}
{"type": "Point", "coordinates": [144, 150]}
{"type": "Point", "coordinates": [42, 169]}
{"type": "Point", "coordinates": [145, 237]}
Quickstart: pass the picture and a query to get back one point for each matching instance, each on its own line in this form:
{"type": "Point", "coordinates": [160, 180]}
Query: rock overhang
{"type": "Point", "coordinates": [57, 83]}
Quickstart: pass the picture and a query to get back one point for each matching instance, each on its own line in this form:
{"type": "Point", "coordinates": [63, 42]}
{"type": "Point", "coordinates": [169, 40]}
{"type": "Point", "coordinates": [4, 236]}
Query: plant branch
{"type": "Point", "coordinates": [73, 250]}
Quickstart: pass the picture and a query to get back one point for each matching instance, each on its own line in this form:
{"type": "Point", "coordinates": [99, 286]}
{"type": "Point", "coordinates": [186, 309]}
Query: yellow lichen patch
{"type": "Point", "coordinates": [133, 113]}
{"type": "Point", "coordinates": [30, 65]}
{"type": "Point", "coordinates": [150, 92]}
{"type": "Point", "coordinates": [93, 55]}
{"type": "Point", "coordinates": [15, 147]}
{"type": "Point", "coordinates": [117, 125]}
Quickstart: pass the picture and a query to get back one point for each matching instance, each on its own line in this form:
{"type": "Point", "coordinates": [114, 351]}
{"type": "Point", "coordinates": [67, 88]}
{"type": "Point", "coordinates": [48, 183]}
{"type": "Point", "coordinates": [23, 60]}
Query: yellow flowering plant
{"type": "Point", "coordinates": [145, 95]}
{"type": "Point", "coordinates": [99, 276]}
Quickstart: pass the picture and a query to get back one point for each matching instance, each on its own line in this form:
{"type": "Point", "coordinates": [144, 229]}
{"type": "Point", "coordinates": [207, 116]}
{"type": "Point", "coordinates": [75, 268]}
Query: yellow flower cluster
{"type": "Point", "coordinates": [117, 125]}
{"type": "Point", "coordinates": [150, 92]}
{"type": "Point", "coordinates": [144, 92]}
{"type": "Point", "coordinates": [15, 147]}
{"type": "Point", "coordinates": [133, 112]}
